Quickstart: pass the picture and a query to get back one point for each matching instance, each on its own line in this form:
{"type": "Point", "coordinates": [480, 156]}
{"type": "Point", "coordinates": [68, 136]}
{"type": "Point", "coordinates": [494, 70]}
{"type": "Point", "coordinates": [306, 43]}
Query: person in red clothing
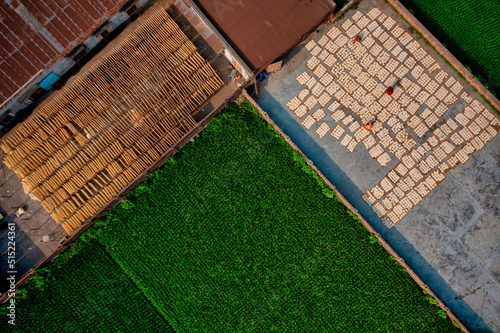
{"type": "Point", "coordinates": [357, 38]}
{"type": "Point", "coordinates": [390, 90]}
{"type": "Point", "coordinates": [369, 126]}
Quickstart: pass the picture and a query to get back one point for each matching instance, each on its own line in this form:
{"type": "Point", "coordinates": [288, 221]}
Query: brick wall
{"type": "Point", "coordinates": [34, 34]}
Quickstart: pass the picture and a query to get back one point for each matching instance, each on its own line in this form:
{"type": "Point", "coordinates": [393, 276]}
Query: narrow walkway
{"type": "Point", "coordinates": [37, 235]}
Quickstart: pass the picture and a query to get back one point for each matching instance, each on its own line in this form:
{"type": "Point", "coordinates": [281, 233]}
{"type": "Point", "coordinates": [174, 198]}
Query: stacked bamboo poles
{"type": "Point", "coordinates": [145, 144]}
{"type": "Point", "coordinates": [71, 97]}
{"type": "Point", "coordinates": [126, 176]}
{"type": "Point", "coordinates": [132, 138]}
{"type": "Point", "coordinates": [98, 124]}
{"type": "Point", "coordinates": [107, 96]}
{"type": "Point", "coordinates": [82, 148]}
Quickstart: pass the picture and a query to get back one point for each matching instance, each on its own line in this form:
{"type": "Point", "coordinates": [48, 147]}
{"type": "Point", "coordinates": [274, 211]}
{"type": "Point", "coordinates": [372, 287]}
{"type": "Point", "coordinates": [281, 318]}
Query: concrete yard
{"type": "Point", "coordinates": [37, 235]}
{"type": "Point", "coordinates": [426, 176]}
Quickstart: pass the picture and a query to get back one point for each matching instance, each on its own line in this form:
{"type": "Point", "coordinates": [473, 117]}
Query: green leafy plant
{"type": "Point", "coordinates": [432, 300]}
{"type": "Point", "coordinates": [241, 234]}
{"type": "Point", "coordinates": [86, 292]}
{"type": "Point", "coordinates": [442, 314]}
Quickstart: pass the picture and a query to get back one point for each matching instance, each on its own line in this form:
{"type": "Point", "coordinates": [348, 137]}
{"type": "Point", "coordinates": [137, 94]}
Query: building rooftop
{"type": "Point", "coordinates": [34, 34]}
{"type": "Point", "coordinates": [263, 30]}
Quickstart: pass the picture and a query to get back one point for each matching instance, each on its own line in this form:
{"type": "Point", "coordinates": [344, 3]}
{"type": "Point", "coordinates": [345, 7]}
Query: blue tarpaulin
{"type": "Point", "coordinates": [49, 81]}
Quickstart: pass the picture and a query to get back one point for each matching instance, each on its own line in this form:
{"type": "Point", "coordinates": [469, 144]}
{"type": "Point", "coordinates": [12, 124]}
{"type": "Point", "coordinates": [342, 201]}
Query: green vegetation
{"type": "Point", "coordinates": [84, 290]}
{"type": "Point", "coordinates": [470, 31]}
{"type": "Point", "coordinates": [238, 233]}
{"type": "Point", "coordinates": [235, 233]}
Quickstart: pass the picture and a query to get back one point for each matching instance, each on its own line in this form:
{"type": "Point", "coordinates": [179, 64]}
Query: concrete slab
{"type": "Point", "coordinates": [453, 206]}
{"type": "Point", "coordinates": [18, 200]}
{"type": "Point", "coordinates": [445, 252]}
{"type": "Point", "coordinates": [23, 265]}
{"type": "Point", "coordinates": [481, 239]}
{"type": "Point", "coordinates": [9, 187]}
{"type": "Point", "coordinates": [5, 173]}
{"type": "Point", "coordinates": [443, 238]}
{"type": "Point", "coordinates": [30, 210]}
{"type": "Point", "coordinates": [481, 177]}
{"type": "Point", "coordinates": [35, 223]}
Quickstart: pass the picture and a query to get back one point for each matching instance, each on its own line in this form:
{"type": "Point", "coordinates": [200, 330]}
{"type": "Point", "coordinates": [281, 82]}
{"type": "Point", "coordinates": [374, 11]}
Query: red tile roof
{"type": "Point", "coordinates": [25, 50]}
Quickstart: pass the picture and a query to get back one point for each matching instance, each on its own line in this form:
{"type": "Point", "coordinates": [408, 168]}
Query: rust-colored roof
{"type": "Point", "coordinates": [24, 50]}
{"type": "Point", "coordinates": [262, 30]}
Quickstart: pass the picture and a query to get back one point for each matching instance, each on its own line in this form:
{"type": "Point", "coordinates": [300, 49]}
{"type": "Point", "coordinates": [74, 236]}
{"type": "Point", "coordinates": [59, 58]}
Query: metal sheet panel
{"type": "Point", "coordinates": [274, 67]}
{"type": "Point", "coordinates": [27, 50]}
{"type": "Point", "coordinates": [262, 30]}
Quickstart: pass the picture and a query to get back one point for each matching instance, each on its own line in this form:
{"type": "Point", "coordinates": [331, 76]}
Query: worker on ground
{"type": "Point", "coordinates": [369, 126]}
{"type": "Point", "coordinates": [390, 90]}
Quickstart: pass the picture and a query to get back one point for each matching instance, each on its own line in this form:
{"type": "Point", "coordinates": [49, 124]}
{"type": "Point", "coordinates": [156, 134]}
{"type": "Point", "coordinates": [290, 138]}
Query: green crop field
{"type": "Point", "coordinates": [84, 290]}
{"type": "Point", "coordinates": [235, 233]}
{"type": "Point", "coordinates": [469, 29]}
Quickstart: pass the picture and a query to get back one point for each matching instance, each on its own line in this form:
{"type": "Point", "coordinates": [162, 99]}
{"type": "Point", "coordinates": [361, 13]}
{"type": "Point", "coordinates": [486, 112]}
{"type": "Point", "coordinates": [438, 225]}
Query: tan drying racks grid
{"type": "Point", "coordinates": [111, 122]}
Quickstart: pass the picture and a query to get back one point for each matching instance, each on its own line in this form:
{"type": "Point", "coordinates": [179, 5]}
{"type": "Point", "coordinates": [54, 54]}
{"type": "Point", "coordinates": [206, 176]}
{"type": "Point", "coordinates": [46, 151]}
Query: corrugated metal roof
{"type": "Point", "coordinates": [262, 30]}
{"type": "Point", "coordinates": [25, 50]}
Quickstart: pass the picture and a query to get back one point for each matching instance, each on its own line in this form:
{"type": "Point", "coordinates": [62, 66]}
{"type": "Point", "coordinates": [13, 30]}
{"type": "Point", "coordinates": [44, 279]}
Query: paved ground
{"type": "Point", "coordinates": [430, 164]}
{"type": "Point", "coordinates": [31, 227]}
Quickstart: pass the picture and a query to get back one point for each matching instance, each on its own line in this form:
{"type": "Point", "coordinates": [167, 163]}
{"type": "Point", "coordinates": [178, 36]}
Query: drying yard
{"type": "Point", "coordinates": [229, 166]}
{"type": "Point", "coordinates": [426, 127]}
{"type": "Point", "coordinates": [85, 145]}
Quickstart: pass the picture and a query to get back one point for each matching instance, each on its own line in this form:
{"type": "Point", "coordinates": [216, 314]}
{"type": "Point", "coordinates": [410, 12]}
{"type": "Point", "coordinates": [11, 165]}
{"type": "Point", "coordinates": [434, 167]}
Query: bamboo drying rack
{"type": "Point", "coordinates": [114, 120]}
